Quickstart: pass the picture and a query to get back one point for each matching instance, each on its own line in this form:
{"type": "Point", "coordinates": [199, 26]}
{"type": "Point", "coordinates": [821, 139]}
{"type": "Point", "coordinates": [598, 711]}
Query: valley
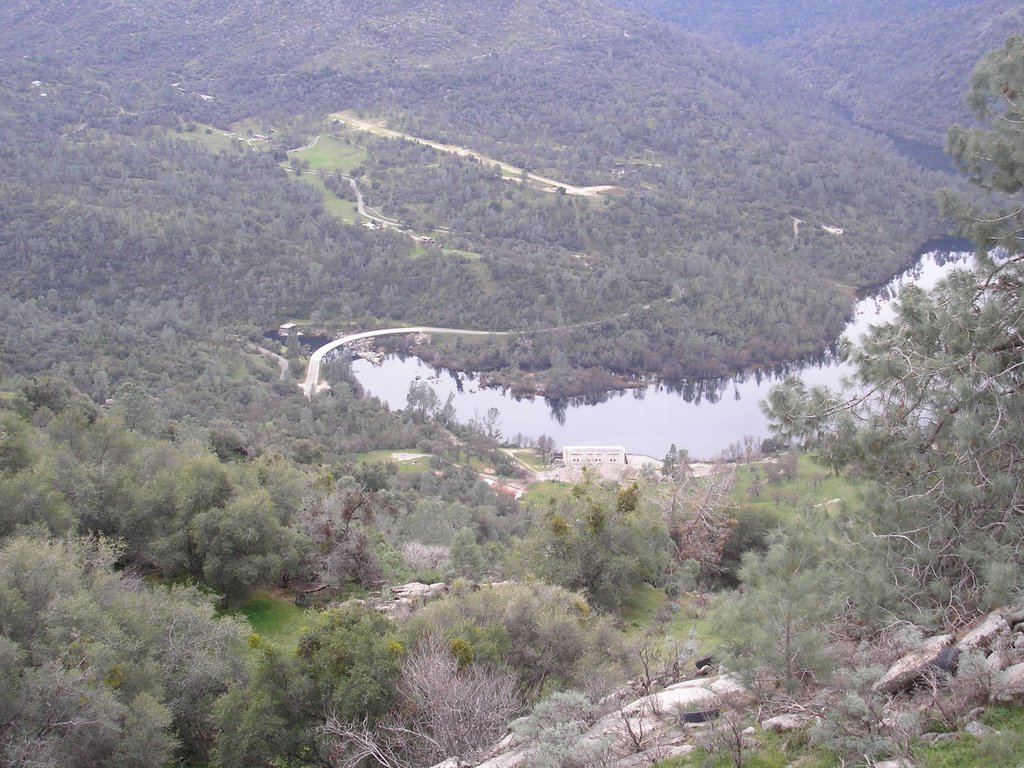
{"type": "Point", "coordinates": [688, 255]}
{"type": "Point", "coordinates": [569, 234]}
{"type": "Point", "coordinates": [705, 418]}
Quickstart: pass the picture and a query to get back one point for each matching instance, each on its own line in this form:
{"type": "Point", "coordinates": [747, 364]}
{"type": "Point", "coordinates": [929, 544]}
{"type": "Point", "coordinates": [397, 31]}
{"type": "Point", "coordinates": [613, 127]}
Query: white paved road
{"type": "Point", "coordinates": [317, 358]}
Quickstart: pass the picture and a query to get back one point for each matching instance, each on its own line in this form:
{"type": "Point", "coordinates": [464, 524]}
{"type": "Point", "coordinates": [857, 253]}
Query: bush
{"type": "Point", "coordinates": [554, 734]}
{"type": "Point", "coordinates": [546, 634]}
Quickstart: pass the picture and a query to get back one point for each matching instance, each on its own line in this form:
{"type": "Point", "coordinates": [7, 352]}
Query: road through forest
{"type": "Point", "coordinates": [550, 185]}
{"type": "Point", "coordinates": [309, 385]}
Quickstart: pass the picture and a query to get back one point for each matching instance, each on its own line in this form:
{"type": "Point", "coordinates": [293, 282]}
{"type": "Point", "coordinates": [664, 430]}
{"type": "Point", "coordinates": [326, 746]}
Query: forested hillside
{"type": "Point", "coordinates": [734, 233]}
{"type": "Point", "coordinates": [897, 68]}
{"type": "Point", "coordinates": [750, 23]}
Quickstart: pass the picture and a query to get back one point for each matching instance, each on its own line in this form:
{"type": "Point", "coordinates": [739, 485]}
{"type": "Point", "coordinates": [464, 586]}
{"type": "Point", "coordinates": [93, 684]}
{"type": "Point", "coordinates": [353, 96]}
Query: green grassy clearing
{"type": "Point", "coordinates": [406, 467]}
{"type": "Point", "coordinates": [688, 620]}
{"type": "Point", "coordinates": [479, 465]}
{"type": "Point", "coordinates": [340, 209]}
{"type": "Point", "coordinates": [770, 755]}
{"type": "Point", "coordinates": [811, 484]}
{"type": "Point", "coordinates": [641, 610]}
{"type": "Point", "coordinates": [278, 621]}
{"type": "Point", "coordinates": [997, 750]}
{"type": "Point", "coordinates": [670, 626]}
{"type": "Point", "coordinates": [414, 466]}
{"type": "Point", "coordinates": [331, 154]}
{"type": "Point", "coordinates": [210, 137]}
{"type": "Point", "coordinates": [528, 457]}
{"type": "Point", "coordinates": [766, 757]}
{"type": "Point", "coordinates": [251, 125]}
{"type": "Point", "coordinates": [544, 494]}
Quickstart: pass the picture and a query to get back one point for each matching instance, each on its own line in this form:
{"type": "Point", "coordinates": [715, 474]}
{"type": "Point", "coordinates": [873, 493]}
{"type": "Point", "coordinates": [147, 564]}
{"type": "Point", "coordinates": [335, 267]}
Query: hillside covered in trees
{"type": "Point", "coordinates": [199, 566]}
{"type": "Point", "coordinates": [895, 68]}
{"type": "Point", "coordinates": [742, 216]}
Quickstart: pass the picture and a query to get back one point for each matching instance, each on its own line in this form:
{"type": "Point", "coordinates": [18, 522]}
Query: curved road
{"type": "Point", "coordinates": [282, 362]}
{"type": "Point", "coordinates": [361, 207]}
{"type": "Point", "coordinates": [311, 144]}
{"type": "Point", "coordinates": [317, 358]}
{"type": "Point", "coordinates": [364, 211]}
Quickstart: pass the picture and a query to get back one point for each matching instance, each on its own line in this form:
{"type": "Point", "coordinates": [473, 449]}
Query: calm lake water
{"type": "Point", "coordinates": [705, 419]}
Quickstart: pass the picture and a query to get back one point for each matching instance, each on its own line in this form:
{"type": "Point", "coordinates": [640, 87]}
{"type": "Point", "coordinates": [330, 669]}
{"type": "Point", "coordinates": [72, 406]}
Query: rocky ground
{"type": "Point", "coordinates": [640, 727]}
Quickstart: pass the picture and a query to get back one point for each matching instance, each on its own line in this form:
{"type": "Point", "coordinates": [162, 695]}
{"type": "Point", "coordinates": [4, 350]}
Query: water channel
{"type": "Point", "coordinates": [705, 419]}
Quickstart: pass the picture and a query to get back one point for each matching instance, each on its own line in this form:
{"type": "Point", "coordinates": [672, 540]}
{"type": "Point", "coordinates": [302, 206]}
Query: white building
{"type": "Point", "coordinates": [594, 456]}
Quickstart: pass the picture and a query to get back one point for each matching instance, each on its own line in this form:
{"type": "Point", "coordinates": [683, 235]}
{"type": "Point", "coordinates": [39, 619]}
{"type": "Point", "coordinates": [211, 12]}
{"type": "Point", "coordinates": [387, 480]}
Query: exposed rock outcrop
{"type": "Point", "coordinates": [639, 730]}
{"type": "Point", "coordinates": [982, 634]}
{"type": "Point", "coordinates": [645, 730]}
{"type": "Point", "coordinates": [1009, 685]}
{"type": "Point", "coordinates": [786, 723]}
{"type": "Point", "coordinates": [401, 601]}
{"type": "Point", "coordinates": [931, 655]}
{"type": "Point", "coordinates": [998, 636]}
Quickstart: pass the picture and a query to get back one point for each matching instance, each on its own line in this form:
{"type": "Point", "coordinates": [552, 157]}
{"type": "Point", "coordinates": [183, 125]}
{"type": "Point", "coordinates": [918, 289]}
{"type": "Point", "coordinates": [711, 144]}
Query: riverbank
{"type": "Point", "coordinates": [705, 417]}
{"type": "Point", "coordinates": [491, 361]}
{"type": "Point", "coordinates": [574, 385]}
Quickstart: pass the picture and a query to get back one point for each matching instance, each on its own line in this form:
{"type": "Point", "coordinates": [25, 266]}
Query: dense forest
{"type": "Point", "coordinates": [200, 566]}
{"type": "Point", "coordinates": [734, 236]}
{"type": "Point", "coordinates": [891, 67]}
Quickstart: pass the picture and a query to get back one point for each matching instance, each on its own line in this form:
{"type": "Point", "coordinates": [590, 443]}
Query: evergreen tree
{"type": "Point", "coordinates": [935, 416]}
{"type": "Point", "coordinates": [601, 544]}
{"type": "Point", "coordinates": [773, 628]}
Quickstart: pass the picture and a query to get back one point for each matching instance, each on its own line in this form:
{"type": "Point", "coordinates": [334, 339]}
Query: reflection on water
{"type": "Point", "coordinates": [559, 408]}
{"type": "Point", "coordinates": [703, 417]}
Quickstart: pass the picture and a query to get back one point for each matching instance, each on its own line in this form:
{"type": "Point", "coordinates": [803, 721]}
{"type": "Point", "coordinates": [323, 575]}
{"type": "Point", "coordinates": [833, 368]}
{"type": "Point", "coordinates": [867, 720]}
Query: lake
{"type": "Point", "coordinates": [704, 417]}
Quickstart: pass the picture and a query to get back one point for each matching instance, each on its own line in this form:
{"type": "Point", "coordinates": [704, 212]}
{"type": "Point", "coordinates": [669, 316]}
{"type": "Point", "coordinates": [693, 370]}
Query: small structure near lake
{"type": "Point", "coordinates": [609, 462]}
{"type": "Point", "coordinates": [504, 489]}
{"type": "Point", "coordinates": [594, 456]}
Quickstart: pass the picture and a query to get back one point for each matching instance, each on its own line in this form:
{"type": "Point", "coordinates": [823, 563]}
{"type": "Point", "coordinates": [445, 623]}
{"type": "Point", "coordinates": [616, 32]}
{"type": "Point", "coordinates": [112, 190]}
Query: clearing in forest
{"type": "Point", "coordinates": [507, 170]}
{"type": "Point", "coordinates": [329, 153]}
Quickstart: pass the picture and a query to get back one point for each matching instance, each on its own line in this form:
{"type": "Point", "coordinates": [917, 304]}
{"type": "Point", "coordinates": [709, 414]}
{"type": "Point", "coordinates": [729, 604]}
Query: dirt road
{"type": "Point", "coordinates": [549, 185]}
